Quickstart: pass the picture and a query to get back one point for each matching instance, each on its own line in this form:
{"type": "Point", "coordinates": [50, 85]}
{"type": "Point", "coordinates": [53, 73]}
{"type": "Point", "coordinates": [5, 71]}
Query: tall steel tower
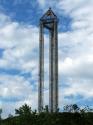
{"type": "Point", "coordinates": [49, 21]}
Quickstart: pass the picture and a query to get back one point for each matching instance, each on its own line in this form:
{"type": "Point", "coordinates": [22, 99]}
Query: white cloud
{"type": "Point", "coordinates": [20, 44]}
{"type": "Point", "coordinates": [80, 67]}
{"type": "Point", "coordinates": [42, 2]}
{"type": "Point", "coordinates": [16, 91]}
{"type": "Point", "coordinates": [79, 40]}
{"type": "Point", "coordinates": [76, 48]}
{"type": "Point", "coordinates": [14, 86]}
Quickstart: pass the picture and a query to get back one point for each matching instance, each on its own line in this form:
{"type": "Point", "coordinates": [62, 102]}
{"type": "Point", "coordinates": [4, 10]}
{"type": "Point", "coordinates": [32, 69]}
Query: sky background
{"type": "Point", "coordinates": [19, 52]}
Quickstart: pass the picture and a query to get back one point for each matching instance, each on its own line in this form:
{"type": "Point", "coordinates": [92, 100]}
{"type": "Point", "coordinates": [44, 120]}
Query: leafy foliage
{"type": "Point", "coordinates": [24, 110]}
{"type": "Point", "coordinates": [72, 115]}
{"type": "Point", "coordinates": [71, 108]}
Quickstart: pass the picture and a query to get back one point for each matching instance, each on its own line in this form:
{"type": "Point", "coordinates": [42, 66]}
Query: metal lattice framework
{"type": "Point", "coordinates": [49, 21]}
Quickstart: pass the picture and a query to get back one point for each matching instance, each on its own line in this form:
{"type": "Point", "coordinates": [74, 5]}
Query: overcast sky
{"type": "Point", "coordinates": [19, 47]}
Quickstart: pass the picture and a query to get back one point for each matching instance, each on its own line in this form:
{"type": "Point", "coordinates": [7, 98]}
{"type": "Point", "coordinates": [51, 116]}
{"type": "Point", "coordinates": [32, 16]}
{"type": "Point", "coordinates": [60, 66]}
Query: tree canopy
{"type": "Point", "coordinates": [72, 115]}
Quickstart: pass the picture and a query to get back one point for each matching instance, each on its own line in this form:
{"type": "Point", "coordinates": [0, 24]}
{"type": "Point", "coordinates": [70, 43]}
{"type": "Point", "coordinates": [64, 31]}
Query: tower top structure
{"type": "Point", "coordinates": [48, 19]}
{"type": "Point", "coordinates": [49, 16]}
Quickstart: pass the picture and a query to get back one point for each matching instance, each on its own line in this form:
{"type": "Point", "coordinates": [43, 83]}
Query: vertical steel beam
{"type": "Point", "coordinates": [41, 69]}
{"type": "Point", "coordinates": [51, 71]}
{"type": "Point", "coordinates": [55, 69]}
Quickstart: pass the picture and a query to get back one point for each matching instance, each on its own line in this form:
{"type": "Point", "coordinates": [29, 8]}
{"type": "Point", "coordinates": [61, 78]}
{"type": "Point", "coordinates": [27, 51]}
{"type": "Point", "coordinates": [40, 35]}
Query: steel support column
{"type": "Point", "coordinates": [41, 69]}
{"type": "Point", "coordinates": [51, 80]}
{"type": "Point", "coordinates": [55, 67]}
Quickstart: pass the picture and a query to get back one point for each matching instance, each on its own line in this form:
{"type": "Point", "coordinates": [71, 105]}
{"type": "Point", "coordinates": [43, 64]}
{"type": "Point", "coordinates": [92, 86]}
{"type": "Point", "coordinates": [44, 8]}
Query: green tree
{"type": "Point", "coordinates": [24, 113]}
{"type": "Point", "coordinates": [0, 116]}
{"type": "Point", "coordinates": [24, 110]}
{"type": "Point", "coordinates": [46, 109]}
{"type": "Point", "coordinates": [71, 108]}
